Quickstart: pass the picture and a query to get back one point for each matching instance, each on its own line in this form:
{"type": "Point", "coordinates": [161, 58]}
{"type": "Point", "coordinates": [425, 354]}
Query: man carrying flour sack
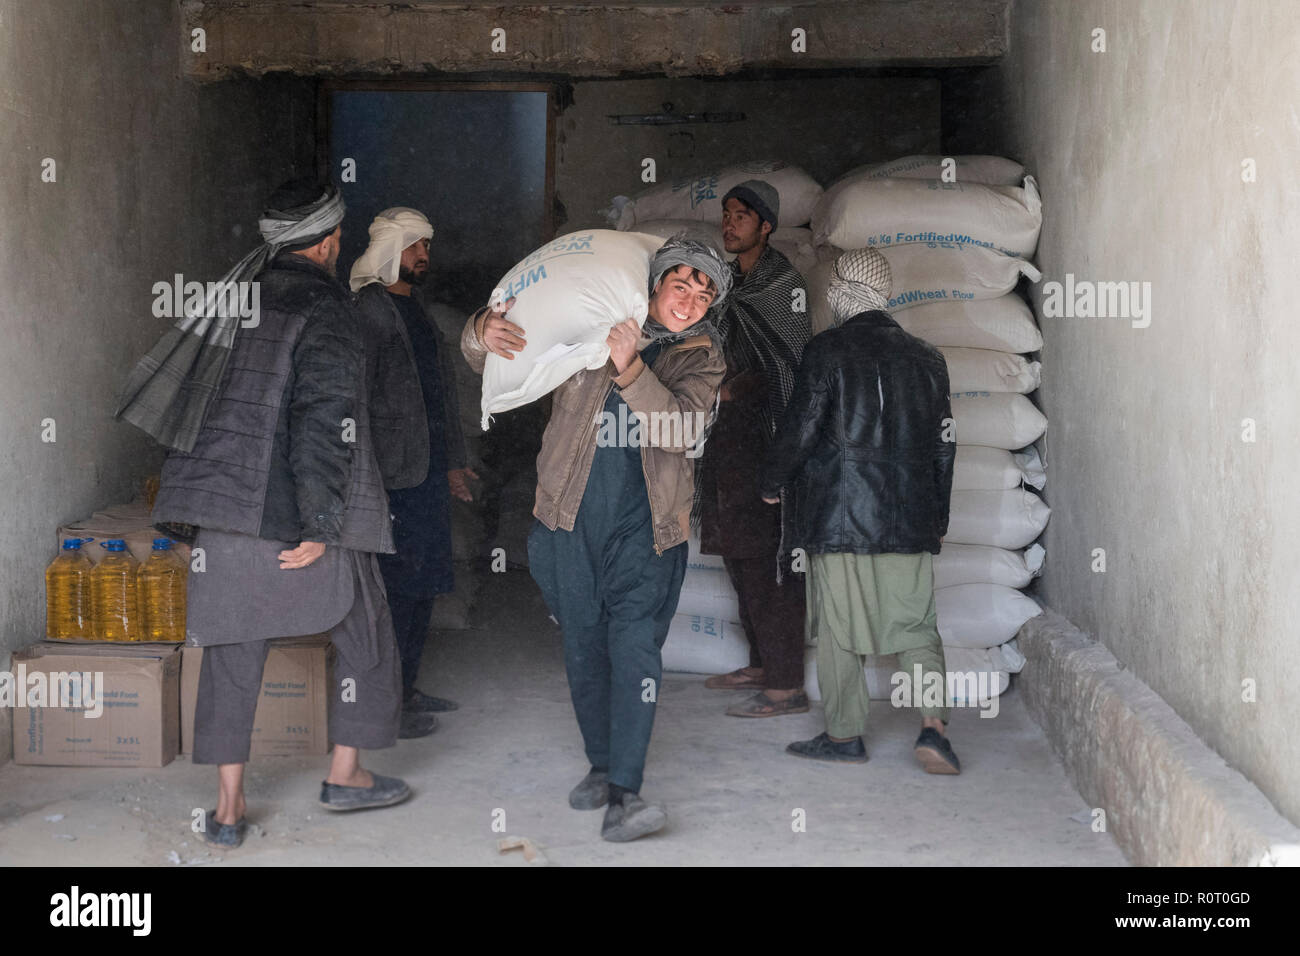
{"type": "Point", "coordinates": [613, 508]}
{"type": "Point", "coordinates": [415, 421]}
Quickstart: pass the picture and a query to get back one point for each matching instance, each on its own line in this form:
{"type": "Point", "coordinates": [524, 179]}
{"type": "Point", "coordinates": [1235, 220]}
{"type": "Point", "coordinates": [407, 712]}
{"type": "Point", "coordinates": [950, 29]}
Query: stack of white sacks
{"type": "Point", "coordinates": [694, 206]}
{"type": "Point", "coordinates": [956, 252]}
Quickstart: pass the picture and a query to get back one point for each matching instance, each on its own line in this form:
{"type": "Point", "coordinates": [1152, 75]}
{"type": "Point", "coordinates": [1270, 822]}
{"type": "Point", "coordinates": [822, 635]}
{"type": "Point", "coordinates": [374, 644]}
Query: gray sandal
{"type": "Point", "coordinates": [224, 836]}
{"type": "Point", "coordinates": [385, 792]}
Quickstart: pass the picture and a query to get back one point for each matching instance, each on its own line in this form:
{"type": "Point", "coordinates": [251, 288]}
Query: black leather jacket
{"type": "Point", "coordinates": [862, 442]}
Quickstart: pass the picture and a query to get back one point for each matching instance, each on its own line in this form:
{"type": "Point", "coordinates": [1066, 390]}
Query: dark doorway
{"type": "Point", "coordinates": [474, 158]}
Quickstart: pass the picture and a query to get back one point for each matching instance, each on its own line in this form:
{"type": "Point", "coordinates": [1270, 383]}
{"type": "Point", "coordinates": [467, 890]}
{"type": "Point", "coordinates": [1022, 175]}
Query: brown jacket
{"type": "Point", "coordinates": [683, 383]}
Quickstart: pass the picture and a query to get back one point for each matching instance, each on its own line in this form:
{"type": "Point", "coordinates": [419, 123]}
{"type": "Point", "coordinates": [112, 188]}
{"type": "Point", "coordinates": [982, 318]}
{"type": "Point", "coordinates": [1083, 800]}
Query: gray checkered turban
{"type": "Point", "coordinates": [682, 250]}
{"type": "Point", "coordinates": [859, 282]}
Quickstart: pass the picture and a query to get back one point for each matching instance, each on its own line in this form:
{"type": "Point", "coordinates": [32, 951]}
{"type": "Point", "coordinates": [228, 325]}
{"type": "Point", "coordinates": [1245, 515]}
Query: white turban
{"type": "Point", "coordinates": [860, 282]}
{"type": "Point", "coordinates": [390, 234]}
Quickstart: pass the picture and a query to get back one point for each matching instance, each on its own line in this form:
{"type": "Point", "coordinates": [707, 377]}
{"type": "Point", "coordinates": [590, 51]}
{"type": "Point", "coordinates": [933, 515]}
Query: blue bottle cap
{"type": "Point", "coordinates": [73, 544]}
{"type": "Point", "coordinates": [113, 544]}
{"type": "Point", "coordinates": [162, 544]}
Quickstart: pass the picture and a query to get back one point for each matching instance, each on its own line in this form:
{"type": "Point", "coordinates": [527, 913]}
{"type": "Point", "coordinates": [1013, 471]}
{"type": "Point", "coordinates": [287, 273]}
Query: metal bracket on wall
{"type": "Point", "coordinates": [668, 118]}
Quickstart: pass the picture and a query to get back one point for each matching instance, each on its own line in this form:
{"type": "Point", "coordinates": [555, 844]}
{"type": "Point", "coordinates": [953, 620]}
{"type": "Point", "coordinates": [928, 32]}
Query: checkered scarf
{"type": "Point", "coordinates": [860, 282]}
{"type": "Point", "coordinates": [761, 331]}
{"type": "Point", "coordinates": [171, 388]}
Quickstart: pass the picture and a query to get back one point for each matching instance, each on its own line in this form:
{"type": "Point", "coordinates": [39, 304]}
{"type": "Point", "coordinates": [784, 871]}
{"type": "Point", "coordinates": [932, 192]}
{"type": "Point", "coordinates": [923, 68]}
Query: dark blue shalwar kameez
{"type": "Point", "coordinates": [421, 569]}
{"type": "Point", "coordinates": [614, 598]}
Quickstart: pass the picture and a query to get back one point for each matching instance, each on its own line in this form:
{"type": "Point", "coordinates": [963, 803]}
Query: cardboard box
{"type": "Point", "coordinates": [293, 712]}
{"type": "Point", "coordinates": [138, 699]}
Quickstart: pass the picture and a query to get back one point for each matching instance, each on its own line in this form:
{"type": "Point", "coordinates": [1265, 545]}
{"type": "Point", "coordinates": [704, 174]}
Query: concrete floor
{"type": "Point", "coordinates": [514, 746]}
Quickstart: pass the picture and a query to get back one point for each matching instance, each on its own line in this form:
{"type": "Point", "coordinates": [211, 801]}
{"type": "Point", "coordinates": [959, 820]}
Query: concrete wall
{"type": "Point", "coordinates": [1139, 152]}
{"type": "Point", "coordinates": [826, 125]}
{"type": "Point", "coordinates": [155, 175]}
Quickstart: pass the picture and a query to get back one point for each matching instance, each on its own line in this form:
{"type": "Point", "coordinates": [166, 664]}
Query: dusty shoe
{"type": "Point", "coordinates": [822, 747]}
{"type": "Point", "coordinates": [935, 753]}
{"type": "Point", "coordinates": [761, 705]}
{"type": "Point", "coordinates": [415, 724]}
{"type": "Point", "coordinates": [385, 792]}
{"type": "Point", "coordinates": [631, 817]}
{"type": "Point", "coordinates": [592, 792]}
{"type": "Point", "coordinates": [422, 703]}
{"type": "Point", "coordinates": [224, 836]}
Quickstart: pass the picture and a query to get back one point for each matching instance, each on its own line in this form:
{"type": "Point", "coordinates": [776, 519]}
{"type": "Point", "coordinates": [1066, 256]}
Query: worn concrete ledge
{"type": "Point", "coordinates": [1169, 799]}
{"type": "Point", "coordinates": [682, 38]}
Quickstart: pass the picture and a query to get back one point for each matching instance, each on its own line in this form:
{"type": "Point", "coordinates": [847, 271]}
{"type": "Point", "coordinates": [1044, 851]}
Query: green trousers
{"type": "Point", "coordinates": [861, 605]}
{"type": "Point", "coordinates": [844, 688]}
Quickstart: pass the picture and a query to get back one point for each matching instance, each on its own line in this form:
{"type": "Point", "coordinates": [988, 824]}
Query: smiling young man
{"type": "Point", "coordinates": [609, 547]}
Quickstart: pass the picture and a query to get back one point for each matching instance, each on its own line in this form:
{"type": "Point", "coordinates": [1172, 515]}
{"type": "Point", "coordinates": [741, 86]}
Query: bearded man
{"type": "Point", "coordinates": [272, 475]}
{"type": "Point", "coordinates": [415, 421]}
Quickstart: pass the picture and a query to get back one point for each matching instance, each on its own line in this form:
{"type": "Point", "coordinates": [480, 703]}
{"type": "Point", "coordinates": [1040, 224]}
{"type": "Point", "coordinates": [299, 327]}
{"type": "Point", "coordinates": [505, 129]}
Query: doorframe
{"type": "Point", "coordinates": [325, 88]}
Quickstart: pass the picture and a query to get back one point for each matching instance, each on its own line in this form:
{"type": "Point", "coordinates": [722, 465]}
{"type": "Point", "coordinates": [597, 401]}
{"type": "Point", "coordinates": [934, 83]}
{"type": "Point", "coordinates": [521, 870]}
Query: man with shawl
{"type": "Point", "coordinates": [415, 424]}
{"type": "Point", "coordinates": [763, 339]}
{"type": "Point", "coordinates": [609, 547]}
{"type": "Point", "coordinates": [271, 474]}
{"type": "Point", "coordinates": [865, 441]}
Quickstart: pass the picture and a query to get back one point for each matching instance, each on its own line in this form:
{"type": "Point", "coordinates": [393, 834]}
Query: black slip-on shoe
{"type": "Point", "coordinates": [224, 836]}
{"type": "Point", "coordinates": [592, 791]}
{"type": "Point", "coordinates": [631, 818]}
{"type": "Point", "coordinates": [935, 752]}
{"type": "Point", "coordinates": [415, 724]}
{"type": "Point", "coordinates": [822, 747]}
{"type": "Point", "coordinates": [385, 792]}
{"type": "Point", "coordinates": [422, 703]}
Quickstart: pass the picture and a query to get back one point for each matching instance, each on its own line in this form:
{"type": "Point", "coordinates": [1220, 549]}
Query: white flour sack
{"type": "Point", "coordinates": [922, 274]}
{"type": "Point", "coordinates": [704, 645]}
{"type": "Point", "coordinates": [1005, 323]}
{"type": "Point", "coordinates": [569, 294]}
{"type": "Point", "coordinates": [981, 615]}
{"type": "Point", "coordinates": [990, 170]}
{"type": "Point", "coordinates": [877, 671]}
{"type": "Point", "coordinates": [991, 669]}
{"type": "Point", "coordinates": [997, 419]}
{"type": "Point", "coordinates": [817, 280]}
{"type": "Point", "coordinates": [986, 370]}
{"type": "Point", "coordinates": [980, 564]}
{"type": "Point", "coordinates": [700, 197]}
{"type": "Point", "coordinates": [893, 212]}
{"type": "Point", "coordinates": [709, 232]}
{"type": "Point", "coordinates": [1000, 519]}
{"type": "Point", "coordinates": [981, 468]}
{"type": "Point", "coordinates": [707, 592]}
{"type": "Point", "coordinates": [795, 243]}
